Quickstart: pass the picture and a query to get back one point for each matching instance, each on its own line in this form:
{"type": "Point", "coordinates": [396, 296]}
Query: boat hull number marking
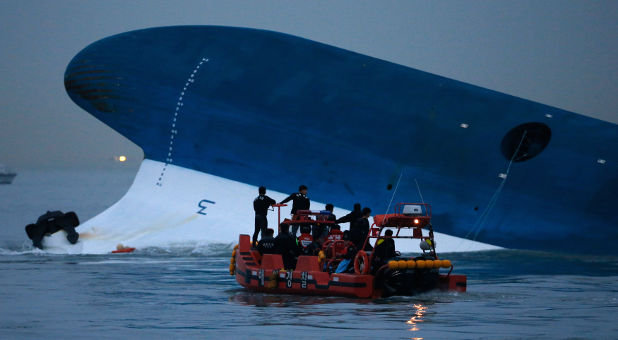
{"type": "Point", "coordinates": [202, 205]}
{"type": "Point", "coordinates": [288, 279]}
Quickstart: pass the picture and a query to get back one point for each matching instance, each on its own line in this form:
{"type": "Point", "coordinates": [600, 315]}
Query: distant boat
{"type": "Point", "coordinates": [6, 175]}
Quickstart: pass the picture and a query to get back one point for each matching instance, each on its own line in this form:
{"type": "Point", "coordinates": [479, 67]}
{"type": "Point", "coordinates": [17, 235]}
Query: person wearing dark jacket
{"type": "Point", "coordinates": [267, 243]}
{"type": "Point", "coordinates": [287, 245]}
{"type": "Point", "coordinates": [260, 206]}
{"type": "Point", "coordinates": [354, 215]}
{"type": "Point", "coordinates": [360, 229]}
{"type": "Point", "coordinates": [385, 249]}
{"type": "Point", "coordinates": [300, 201]}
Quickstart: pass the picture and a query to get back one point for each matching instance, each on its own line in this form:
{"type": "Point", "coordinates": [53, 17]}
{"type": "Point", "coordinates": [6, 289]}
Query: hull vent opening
{"type": "Point", "coordinates": [537, 136]}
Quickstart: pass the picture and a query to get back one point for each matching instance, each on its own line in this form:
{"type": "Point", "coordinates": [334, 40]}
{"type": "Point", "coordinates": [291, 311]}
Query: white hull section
{"type": "Point", "coordinates": [193, 209]}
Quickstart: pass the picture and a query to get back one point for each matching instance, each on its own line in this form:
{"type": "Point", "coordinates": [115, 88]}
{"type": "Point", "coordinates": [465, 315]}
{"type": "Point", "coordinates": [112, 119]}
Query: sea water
{"type": "Point", "coordinates": [181, 292]}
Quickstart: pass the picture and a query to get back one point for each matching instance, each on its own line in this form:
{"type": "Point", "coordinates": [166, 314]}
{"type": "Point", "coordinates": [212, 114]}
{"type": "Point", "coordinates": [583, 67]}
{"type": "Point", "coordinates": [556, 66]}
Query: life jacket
{"type": "Point", "coordinates": [305, 240]}
{"type": "Point", "coordinates": [335, 235]}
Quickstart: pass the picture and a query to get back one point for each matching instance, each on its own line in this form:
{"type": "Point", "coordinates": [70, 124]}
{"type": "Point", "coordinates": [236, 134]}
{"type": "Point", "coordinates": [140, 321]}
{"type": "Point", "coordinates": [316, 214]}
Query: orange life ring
{"type": "Point", "coordinates": [365, 263]}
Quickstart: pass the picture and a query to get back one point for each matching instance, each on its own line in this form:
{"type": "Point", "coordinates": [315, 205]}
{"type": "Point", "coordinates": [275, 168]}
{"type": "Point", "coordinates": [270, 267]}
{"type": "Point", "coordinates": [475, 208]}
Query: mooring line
{"type": "Point", "coordinates": [477, 227]}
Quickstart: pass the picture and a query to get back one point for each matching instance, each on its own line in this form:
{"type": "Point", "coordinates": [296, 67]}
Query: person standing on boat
{"type": "Point", "coordinates": [354, 215]}
{"type": "Point", "coordinates": [320, 230]}
{"type": "Point", "coordinates": [331, 217]}
{"type": "Point", "coordinates": [260, 205]}
{"type": "Point", "coordinates": [300, 201]}
{"type": "Point", "coordinates": [360, 229]}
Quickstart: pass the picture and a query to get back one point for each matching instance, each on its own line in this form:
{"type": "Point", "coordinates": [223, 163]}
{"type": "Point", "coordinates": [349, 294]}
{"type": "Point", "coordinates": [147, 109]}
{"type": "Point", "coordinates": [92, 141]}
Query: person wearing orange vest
{"type": "Point", "coordinates": [335, 233]}
{"type": "Point", "coordinates": [305, 240]}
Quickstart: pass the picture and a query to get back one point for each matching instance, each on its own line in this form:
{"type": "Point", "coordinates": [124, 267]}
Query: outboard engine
{"type": "Point", "coordinates": [407, 283]}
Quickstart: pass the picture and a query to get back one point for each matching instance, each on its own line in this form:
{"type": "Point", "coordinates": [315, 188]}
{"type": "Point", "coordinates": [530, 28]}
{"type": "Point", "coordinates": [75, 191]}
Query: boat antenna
{"type": "Point", "coordinates": [395, 191]}
{"type": "Point", "coordinates": [419, 191]}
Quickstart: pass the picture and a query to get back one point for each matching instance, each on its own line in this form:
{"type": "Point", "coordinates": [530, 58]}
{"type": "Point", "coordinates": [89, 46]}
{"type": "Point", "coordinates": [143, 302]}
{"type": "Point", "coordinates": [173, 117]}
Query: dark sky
{"type": "Point", "coordinates": [560, 53]}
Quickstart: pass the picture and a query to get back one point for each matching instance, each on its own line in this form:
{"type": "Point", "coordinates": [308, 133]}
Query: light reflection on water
{"type": "Point", "coordinates": [419, 311]}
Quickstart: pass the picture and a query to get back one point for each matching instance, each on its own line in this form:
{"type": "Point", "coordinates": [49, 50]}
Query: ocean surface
{"type": "Point", "coordinates": [187, 292]}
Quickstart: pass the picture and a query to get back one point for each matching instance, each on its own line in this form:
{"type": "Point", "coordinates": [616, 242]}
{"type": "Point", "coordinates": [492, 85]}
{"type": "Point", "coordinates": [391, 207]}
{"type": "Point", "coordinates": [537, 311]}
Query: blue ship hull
{"type": "Point", "coordinates": [266, 108]}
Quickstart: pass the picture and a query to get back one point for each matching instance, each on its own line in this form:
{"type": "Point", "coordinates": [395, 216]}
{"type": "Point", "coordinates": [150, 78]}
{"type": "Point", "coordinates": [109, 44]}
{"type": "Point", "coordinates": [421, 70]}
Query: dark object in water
{"type": "Point", "coordinates": [51, 222]}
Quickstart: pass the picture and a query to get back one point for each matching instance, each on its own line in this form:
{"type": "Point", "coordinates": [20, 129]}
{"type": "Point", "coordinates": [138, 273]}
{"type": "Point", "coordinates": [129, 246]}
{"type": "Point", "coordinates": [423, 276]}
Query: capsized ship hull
{"type": "Point", "coordinates": [266, 108]}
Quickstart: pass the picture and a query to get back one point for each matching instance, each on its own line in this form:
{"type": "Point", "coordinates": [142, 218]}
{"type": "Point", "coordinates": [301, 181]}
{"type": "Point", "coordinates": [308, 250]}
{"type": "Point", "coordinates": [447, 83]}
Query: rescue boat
{"type": "Point", "coordinates": [371, 277]}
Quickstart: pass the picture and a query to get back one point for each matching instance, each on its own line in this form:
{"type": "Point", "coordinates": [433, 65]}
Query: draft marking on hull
{"type": "Point", "coordinates": [173, 131]}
